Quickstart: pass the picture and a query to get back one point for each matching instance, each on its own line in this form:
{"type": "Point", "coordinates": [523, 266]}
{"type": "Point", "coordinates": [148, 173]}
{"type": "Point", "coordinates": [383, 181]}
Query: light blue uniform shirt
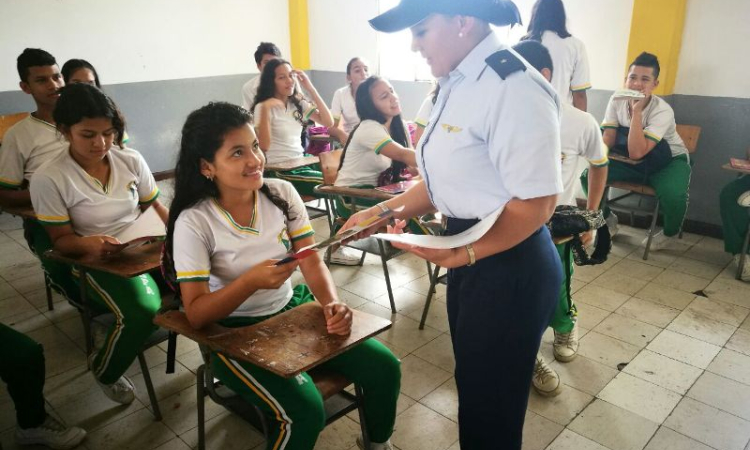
{"type": "Point", "coordinates": [490, 140]}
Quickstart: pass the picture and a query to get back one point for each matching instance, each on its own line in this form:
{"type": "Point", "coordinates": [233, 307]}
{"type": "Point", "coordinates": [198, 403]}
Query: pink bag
{"type": "Point", "coordinates": [316, 147]}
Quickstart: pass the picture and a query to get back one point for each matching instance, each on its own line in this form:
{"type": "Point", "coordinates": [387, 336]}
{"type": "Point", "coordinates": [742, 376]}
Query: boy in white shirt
{"type": "Point", "coordinates": [645, 130]}
{"type": "Point", "coordinates": [579, 138]}
{"type": "Point", "coordinates": [265, 52]}
{"type": "Point", "coordinates": [27, 146]}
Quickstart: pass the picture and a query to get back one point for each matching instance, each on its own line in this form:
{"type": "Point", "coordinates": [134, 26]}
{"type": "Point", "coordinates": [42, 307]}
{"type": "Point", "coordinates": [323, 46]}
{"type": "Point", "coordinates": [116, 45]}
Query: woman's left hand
{"type": "Point", "coordinates": [446, 258]}
{"type": "Point", "coordinates": [338, 318]}
{"type": "Point", "coordinates": [303, 79]}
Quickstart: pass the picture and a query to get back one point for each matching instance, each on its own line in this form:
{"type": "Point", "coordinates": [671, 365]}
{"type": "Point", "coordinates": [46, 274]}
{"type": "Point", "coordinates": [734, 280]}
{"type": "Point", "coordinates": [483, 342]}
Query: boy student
{"type": "Point", "coordinates": [265, 52]}
{"type": "Point", "coordinates": [644, 130]}
{"type": "Point", "coordinates": [27, 146]}
{"type": "Point", "coordinates": [579, 138]}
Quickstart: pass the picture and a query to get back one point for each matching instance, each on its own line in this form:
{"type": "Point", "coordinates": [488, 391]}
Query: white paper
{"type": "Point", "coordinates": [627, 94]}
{"type": "Point", "coordinates": [146, 225]}
{"type": "Point", "coordinates": [467, 237]}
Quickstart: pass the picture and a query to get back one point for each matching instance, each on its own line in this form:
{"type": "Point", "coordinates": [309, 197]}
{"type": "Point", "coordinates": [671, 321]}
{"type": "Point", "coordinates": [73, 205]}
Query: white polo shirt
{"type": "Point", "coordinates": [249, 90]}
{"type": "Point", "coordinates": [344, 108]}
{"type": "Point", "coordinates": [658, 122]}
{"type": "Point", "coordinates": [425, 109]}
{"type": "Point", "coordinates": [363, 162]}
{"type": "Point", "coordinates": [490, 140]}
{"type": "Point", "coordinates": [26, 147]}
{"type": "Point", "coordinates": [570, 65]}
{"type": "Point", "coordinates": [63, 193]}
{"type": "Point", "coordinates": [580, 137]}
{"type": "Point", "coordinates": [210, 246]}
{"type": "Point", "coordinates": [286, 131]}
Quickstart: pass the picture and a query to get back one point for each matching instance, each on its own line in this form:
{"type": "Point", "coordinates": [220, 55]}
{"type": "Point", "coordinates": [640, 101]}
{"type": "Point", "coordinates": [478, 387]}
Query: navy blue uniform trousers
{"type": "Point", "coordinates": [498, 310]}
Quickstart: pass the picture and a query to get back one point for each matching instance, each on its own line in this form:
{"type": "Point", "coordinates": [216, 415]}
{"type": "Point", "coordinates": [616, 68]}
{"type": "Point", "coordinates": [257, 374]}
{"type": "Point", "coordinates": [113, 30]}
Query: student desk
{"type": "Point", "coordinates": [288, 344]}
{"type": "Point", "coordinates": [729, 167]}
{"type": "Point", "coordinates": [24, 212]}
{"type": "Point", "coordinates": [292, 164]}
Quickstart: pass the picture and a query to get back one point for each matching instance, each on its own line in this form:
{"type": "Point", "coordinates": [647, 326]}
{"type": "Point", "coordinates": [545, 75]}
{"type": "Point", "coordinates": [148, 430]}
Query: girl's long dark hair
{"type": "Point", "coordinates": [267, 89]}
{"type": "Point", "coordinates": [79, 101]}
{"type": "Point", "coordinates": [366, 110]}
{"type": "Point", "coordinates": [73, 65]}
{"type": "Point", "coordinates": [202, 135]}
{"type": "Point", "coordinates": [547, 15]}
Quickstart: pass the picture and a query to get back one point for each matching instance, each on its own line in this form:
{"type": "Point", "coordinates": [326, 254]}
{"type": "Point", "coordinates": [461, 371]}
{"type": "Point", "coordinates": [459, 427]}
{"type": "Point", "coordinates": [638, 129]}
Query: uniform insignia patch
{"type": "Point", "coordinates": [451, 128]}
{"type": "Point", "coordinates": [505, 63]}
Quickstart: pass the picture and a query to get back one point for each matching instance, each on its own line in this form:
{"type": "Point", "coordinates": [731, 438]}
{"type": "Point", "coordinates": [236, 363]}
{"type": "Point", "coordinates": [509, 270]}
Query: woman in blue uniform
{"type": "Point", "coordinates": [493, 139]}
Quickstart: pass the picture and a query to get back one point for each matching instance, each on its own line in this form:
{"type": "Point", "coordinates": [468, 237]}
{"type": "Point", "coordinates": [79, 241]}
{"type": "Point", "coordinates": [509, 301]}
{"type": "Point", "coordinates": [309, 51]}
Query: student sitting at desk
{"type": "Point", "coordinates": [265, 52]}
{"type": "Point", "coordinates": [83, 197]}
{"type": "Point", "coordinates": [579, 139]}
{"type": "Point", "coordinates": [378, 144]}
{"type": "Point", "coordinates": [227, 227]}
{"type": "Point", "coordinates": [343, 106]}
{"type": "Point", "coordinates": [645, 131]}
{"type": "Point", "coordinates": [734, 206]}
{"type": "Point", "coordinates": [27, 146]}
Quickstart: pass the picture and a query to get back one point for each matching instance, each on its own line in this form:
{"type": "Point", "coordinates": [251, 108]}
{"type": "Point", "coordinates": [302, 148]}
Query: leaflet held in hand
{"type": "Point", "coordinates": [147, 227]}
{"type": "Point", "coordinates": [467, 237]}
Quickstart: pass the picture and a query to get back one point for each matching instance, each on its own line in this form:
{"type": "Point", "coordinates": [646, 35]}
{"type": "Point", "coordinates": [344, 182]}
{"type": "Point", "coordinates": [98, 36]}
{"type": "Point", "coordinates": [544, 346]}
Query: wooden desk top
{"type": "Point", "coordinates": [128, 263]}
{"type": "Point", "coordinates": [27, 212]}
{"type": "Point", "coordinates": [288, 344]}
{"type": "Point", "coordinates": [354, 192]}
{"type": "Point", "coordinates": [623, 159]}
{"type": "Point", "coordinates": [735, 169]}
{"type": "Point", "coordinates": [292, 164]}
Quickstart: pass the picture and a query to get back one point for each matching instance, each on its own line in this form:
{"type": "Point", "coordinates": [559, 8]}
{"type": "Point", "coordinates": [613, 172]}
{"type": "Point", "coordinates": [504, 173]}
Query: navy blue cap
{"type": "Point", "coordinates": [410, 12]}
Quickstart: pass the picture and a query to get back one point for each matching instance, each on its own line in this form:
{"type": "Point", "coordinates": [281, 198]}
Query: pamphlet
{"type": "Point", "coordinates": [147, 227]}
{"type": "Point", "coordinates": [469, 236]}
{"type": "Point", "coordinates": [627, 94]}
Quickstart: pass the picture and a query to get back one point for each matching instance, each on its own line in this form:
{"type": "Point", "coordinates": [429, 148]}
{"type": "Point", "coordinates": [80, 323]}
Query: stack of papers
{"type": "Point", "coordinates": [147, 227]}
{"type": "Point", "coordinates": [627, 94]}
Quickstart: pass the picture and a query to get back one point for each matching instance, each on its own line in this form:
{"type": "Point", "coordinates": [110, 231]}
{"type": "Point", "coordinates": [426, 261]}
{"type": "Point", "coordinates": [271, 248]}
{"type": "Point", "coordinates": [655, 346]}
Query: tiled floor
{"type": "Point", "coordinates": [679, 320]}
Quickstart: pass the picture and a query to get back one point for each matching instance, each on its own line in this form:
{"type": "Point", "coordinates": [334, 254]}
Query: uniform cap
{"type": "Point", "coordinates": [410, 12]}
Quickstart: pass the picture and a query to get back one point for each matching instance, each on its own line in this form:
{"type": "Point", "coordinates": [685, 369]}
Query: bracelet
{"type": "Point", "coordinates": [383, 207]}
{"type": "Point", "coordinates": [472, 255]}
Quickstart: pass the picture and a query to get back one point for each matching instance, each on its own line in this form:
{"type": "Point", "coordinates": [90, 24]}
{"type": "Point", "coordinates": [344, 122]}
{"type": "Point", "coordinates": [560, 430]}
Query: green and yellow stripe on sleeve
{"type": "Point", "coordinates": [652, 136]}
{"type": "Point", "coordinates": [302, 233]}
{"type": "Point", "coordinates": [150, 197]}
{"type": "Point", "coordinates": [195, 275]}
{"type": "Point", "coordinates": [53, 220]}
{"type": "Point", "coordinates": [379, 146]}
{"type": "Point", "coordinates": [580, 87]}
{"type": "Point", "coordinates": [10, 184]}
{"type": "Point", "coordinates": [609, 125]}
{"type": "Point", "coordinates": [310, 111]}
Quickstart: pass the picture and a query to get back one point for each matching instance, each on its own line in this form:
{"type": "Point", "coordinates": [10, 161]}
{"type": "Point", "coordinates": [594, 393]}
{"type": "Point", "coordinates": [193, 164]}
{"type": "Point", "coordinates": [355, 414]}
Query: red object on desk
{"type": "Point", "coordinates": [397, 188]}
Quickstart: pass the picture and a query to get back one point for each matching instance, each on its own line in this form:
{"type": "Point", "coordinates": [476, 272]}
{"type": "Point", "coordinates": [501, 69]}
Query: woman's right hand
{"type": "Point", "coordinates": [102, 245]}
{"type": "Point", "coordinates": [267, 275]}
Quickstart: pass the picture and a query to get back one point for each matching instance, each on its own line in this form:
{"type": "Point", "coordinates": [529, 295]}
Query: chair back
{"type": "Point", "coordinates": [329, 165]}
{"type": "Point", "coordinates": [689, 135]}
{"type": "Point", "coordinates": [8, 121]}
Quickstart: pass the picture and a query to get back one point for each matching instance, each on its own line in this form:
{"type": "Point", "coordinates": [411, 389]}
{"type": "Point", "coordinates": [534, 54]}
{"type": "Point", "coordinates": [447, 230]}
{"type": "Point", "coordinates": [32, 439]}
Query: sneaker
{"type": "Point", "coordinates": [565, 346]}
{"type": "Point", "coordinates": [121, 391]}
{"type": "Point", "coordinates": [745, 275]}
{"type": "Point", "coordinates": [344, 256]}
{"type": "Point", "coordinates": [744, 199]}
{"type": "Point", "coordinates": [51, 433]}
{"type": "Point", "coordinates": [612, 222]}
{"type": "Point", "coordinates": [374, 446]}
{"type": "Point", "coordinates": [545, 381]}
{"type": "Point", "coordinates": [659, 241]}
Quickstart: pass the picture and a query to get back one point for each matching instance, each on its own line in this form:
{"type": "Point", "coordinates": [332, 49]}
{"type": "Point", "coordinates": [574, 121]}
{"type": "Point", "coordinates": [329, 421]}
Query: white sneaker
{"type": "Point", "coordinates": [374, 446]}
{"type": "Point", "coordinates": [565, 346]}
{"type": "Point", "coordinates": [346, 257]}
{"type": "Point", "coordinates": [612, 222]}
{"type": "Point", "coordinates": [546, 381]}
{"type": "Point", "coordinates": [659, 241]}
{"type": "Point", "coordinates": [52, 433]}
{"type": "Point", "coordinates": [744, 199]}
{"type": "Point", "coordinates": [121, 391]}
{"type": "Point", "coordinates": [745, 275]}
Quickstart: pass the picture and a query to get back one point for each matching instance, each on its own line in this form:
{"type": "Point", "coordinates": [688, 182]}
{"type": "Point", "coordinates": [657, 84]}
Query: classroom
{"type": "Point", "coordinates": [375, 225]}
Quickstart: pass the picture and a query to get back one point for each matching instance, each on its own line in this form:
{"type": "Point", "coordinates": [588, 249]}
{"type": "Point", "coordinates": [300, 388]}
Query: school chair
{"type": "Point", "coordinates": [338, 402]}
{"type": "Point", "coordinates": [329, 163]}
{"type": "Point", "coordinates": [689, 135]}
{"type": "Point", "coordinates": [8, 121]}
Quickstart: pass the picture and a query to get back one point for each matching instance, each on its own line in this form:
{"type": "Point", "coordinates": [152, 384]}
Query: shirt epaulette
{"type": "Point", "coordinates": [505, 63]}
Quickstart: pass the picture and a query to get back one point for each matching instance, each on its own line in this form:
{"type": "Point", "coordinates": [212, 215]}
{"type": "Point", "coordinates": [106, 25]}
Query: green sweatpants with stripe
{"type": "Point", "coordinates": [670, 183]}
{"type": "Point", "coordinates": [734, 218]}
{"type": "Point", "coordinates": [294, 407]}
{"type": "Point", "coordinates": [134, 303]}
{"type": "Point", "coordinates": [344, 210]}
{"type": "Point", "coordinates": [22, 370]}
{"type": "Point", "coordinates": [303, 179]}
{"type": "Point", "coordinates": [565, 315]}
{"type": "Point", "coordinates": [58, 274]}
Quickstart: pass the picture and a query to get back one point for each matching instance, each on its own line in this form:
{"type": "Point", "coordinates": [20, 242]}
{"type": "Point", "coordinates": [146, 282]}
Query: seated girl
{"type": "Point", "coordinates": [343, 106]}
{"type": "Point", "coordinates": [281, 113]}
{"type": "Point", "coordinates": [84, 198]}
{"type": "Point", "coordinates": [378, 144]}
{"type": "Point", "coordinates": [227, 227]}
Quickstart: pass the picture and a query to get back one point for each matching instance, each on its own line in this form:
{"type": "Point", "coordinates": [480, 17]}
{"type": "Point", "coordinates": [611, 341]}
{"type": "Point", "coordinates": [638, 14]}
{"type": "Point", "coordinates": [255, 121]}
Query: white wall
{"type": "Point", "coordinates": [714, 55]}
{"type": "Point", "coordinates": [143, 40]}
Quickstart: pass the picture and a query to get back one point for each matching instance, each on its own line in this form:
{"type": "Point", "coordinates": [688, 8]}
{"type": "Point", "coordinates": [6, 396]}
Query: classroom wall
{"type": "Point", "coordinates": [158, 59]}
